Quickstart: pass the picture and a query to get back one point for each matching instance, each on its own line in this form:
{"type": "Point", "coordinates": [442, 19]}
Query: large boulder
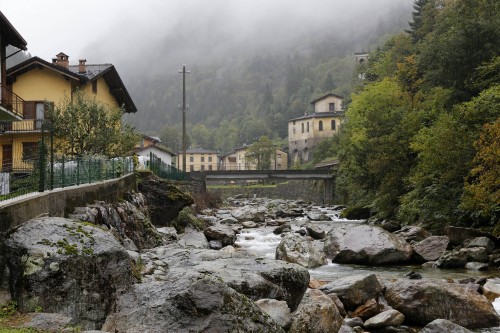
{"type": "Point", "coordinates": [66, 267]}
{"type": "Point", "coordinates": [187, 303]}
{"type": "Point", "coordinates": [430, 249]}
{"type": "Point", "coordinates": [221, 233]}
{"type": "Point", "coordinates": [458, 235]}
{"type": "Point", "coordinates": [298, 249]}
{"type": "Point", "coordinates": [413, 233]}
{"type": "Point", "coordinates": [254, 277]}
{"type": "Point", "coordinates": [422, 301]}
{"type": "Point", "coordinates": [443, 326]}
{"type": "Point", "coordinates": [351, 243]}
{"type": "Point", "coordinates": [384, 319]}
{"type": "Point", "coordinates": [354, 290]}
{"type": "Point", "coordinates": [277, 310]}
{"type": "Point", "coordinates": [164, 200]}
{"type": "Point", "coordinates": [484, 242]}
{"type": "Point", "coordinates": [128, 220]}
{"type": "Point", "coordinates": [316, 314]}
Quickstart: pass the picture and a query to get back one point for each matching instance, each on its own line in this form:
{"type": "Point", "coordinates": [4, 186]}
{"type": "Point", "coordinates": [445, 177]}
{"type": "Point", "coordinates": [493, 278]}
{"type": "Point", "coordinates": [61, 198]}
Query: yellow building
{"type": "Point", "coordinates": [305, 132]}
{"type": "Point", "coordinates": [236, 160]}
{"type": "Point", "coordinates": [198, 159]}
{"type": "Point", "coordinates": [40, 83]}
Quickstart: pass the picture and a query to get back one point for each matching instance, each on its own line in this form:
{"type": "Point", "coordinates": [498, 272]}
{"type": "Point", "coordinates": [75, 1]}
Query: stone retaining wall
{"type": "Point", "coordinates": [308, 190]}
{"type": "Point", "coordinates": [62, 201]}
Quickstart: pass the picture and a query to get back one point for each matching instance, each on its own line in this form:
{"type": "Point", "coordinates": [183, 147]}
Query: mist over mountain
{"type": "Point", "coordinates": [253, 64]}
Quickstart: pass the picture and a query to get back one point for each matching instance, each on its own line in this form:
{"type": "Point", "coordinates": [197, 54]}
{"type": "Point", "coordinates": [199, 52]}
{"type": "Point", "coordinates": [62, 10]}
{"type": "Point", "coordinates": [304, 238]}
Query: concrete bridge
{"type": "Point", "coordinates": [241, 175]}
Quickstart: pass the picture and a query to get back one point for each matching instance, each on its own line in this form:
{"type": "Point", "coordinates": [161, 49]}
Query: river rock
{"type": "Point", "coordinates": [443, 326]}
{"type": "Point", "coordinates": [66, 267]}
{"type": "Point", "coordinates": [345, 329]}
{"type": "Point", "coordinates": [317, 216]}
{"type": "Point", "coordinates": [477, 266]}
{"type": "Point", "coordinates": [353, 322]}
{"type": "Point", "coordinates": [316, 314]}
{"type": "Point", "coordinates": [282, 229]}
{"type": "Point", "coordinates": [338, 304]}
{"type": "Point", "coordinates": [478, 254]}
{"type": "Point", "coordinates": [47, 321]}
{"type": "Point", "coordinates": [222, 233]}
{"type": "Point", "coordinates": [249, 224]}
{"type": "Point", "coordinates": [491, 289]}
{"type": "Point", "coordinates": [484, 242]}
{"type": "Point", "coordinates": [364, 244]}
{"type": "Point", "coordinates": [430, 249]}
{"type": "Point", "coordinates": [228, 220]}
{"type": "Point", "coordinates": [297, 249]}
{"type": "Point", "coordinates": [256, 278]}
{"type": "Point", "coordinates": [386, 318]}
{"type": "Point", "coordinates": [169, 234]}
{"type": "Point", "coordinates": [367, 310]}
{"type": "Point", "coordinates": [164, 199]}
{"type": "Point", "coordinates": [413, 233]}
{"type": "Point", "coordinates": [193, 239]}
{"type": "Point", "coordinates": [458, 235]}
{"type": "Point", "coordinates": [315, 231]}
{"type": "Point", "coordinates": [277, 310]}
{"type": "Point", "coordinates": [191, 303]}
{"type": "Point", "coordinates": [422, 301]}
{"type": "Point", "coordinates": [354, 290]}
{"type": "Point", "coordinates": [452, 259]}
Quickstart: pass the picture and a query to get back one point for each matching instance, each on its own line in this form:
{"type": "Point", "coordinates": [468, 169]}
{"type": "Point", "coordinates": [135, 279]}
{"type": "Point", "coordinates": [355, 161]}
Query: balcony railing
{"type": "Point", "coordinates": [11, 101]}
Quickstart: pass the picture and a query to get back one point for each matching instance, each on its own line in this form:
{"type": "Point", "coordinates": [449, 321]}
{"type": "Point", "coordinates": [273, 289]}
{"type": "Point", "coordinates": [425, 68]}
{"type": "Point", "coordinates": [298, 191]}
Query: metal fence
{"type": "Point", "coordinates": [29, 164]}
{"type": "Point", "coordinates": [164, 170]}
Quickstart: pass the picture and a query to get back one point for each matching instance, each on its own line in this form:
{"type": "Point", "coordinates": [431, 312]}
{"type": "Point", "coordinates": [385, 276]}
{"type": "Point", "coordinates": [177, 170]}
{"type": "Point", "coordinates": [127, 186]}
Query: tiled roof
{"type": "Point", "coordinates": [92, 71]}
{"type": "Point", "coordinates": [198, 151]}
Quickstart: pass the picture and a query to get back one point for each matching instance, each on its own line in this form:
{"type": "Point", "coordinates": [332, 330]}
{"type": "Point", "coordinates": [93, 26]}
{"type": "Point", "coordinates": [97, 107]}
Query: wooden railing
{"type": "Point", "coordinates": [11, 101]}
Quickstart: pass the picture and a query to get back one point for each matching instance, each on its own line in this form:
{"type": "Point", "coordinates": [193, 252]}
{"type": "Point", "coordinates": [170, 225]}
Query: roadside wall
{"type": "Point", "coordinates": [62, 201]}
{"type": "Point", "coordinates": [307, 190]}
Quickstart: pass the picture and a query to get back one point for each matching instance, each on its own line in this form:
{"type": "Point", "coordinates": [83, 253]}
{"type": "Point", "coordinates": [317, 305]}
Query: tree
{"type": "Point", "coordinates": [260, 153]}
{"type": "Point", "coordinates": [424, 17]}
{"type": "Point", "coordinates": [482, 189]}
{"type": "Point", "coordinates": [84, 126]}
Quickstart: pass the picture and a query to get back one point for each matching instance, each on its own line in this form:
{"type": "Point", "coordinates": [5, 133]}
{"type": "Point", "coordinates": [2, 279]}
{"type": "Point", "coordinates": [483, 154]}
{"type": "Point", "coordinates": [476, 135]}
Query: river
{"type": "Point", "coordinates": [262, 242]}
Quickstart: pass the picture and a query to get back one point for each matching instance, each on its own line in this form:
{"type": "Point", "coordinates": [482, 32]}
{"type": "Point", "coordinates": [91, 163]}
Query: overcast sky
{"type": "Point", "coordinates": [106, 30]}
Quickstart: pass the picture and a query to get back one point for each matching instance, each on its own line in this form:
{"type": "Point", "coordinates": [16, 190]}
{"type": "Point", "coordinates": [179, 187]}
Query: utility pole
{"type": "Point", "coordinates": [184, 107]}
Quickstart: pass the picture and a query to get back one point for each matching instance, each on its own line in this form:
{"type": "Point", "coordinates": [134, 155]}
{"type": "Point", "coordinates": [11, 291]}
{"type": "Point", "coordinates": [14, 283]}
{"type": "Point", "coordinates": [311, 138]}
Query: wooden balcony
{"type": "Point", "coordinates": [11, 102]}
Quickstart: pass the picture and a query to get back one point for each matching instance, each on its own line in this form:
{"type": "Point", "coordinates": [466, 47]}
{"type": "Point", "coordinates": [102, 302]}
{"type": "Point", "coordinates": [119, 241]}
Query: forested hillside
{"type": "Point", "coordinates": [422, 139]}
{"type": "Point", "coordinates": [243, 92]}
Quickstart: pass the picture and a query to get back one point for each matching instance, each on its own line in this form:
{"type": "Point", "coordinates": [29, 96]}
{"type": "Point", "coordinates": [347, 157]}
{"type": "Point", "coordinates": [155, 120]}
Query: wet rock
{"type": "Point", "coordinates": [483, 242]}
{"type": "Point", "coordinates": [367, 310]}
{"type": "Point", "coordinates": [215, 244]}
{"type": "Point", "coordinates": [316, 314]}
{"type": "Point", "coordinates": [386, 318]}
{"type": "Point", "coordinates": [452, 259]}
{"type": "Point", "coordinates": [228, 220]}
{"type": "Point", "coordinates": [66, 267]}
{"type": "Point", "coordinates": [317, 216]}
{"type": "Point", "coordinates": [421, 301]}
{"type": "Point", "coordinates": [430, 249]}
{"type": "Point", "coordinates": [297, 249]}
{"type": "Point", "coordinates": [249, 224]}
{"type": "Point", "coordinates": [222, 233]}
{"type": "Point", "coordinates": [478, 254]}
{"type": "Point", "coordinates": [191, 303]}
{"type": "Point", "coordinates": [277, 310]}
{"type": "Point", "coordinates": [443, 325]}
{"type": "Point", "coordinates": [354, 290]}
{"type": "Point", "coordinates": [365, 244]}
{"type": "Point", "coordinates": [412, 275]}
{"type": "Point", "coordinates": [282, 229]}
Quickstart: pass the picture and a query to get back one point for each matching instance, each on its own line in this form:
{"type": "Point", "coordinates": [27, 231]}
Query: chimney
{"type": "Point", "coordinates": [62, 60]}
{"type": "Point", "coordinates": [81, 66]}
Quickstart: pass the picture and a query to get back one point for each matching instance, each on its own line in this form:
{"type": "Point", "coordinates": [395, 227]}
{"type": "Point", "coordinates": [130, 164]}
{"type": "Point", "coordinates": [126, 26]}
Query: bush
{"type": "Point", "coordinates": [185, 219]}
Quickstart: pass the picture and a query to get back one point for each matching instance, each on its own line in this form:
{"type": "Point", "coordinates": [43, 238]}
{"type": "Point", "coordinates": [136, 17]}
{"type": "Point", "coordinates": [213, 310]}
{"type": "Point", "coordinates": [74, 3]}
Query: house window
{"type": "Point", "coordinates": [191, 167]}
{"type": "Point", "coordinates": [302, 127]}
{"type": "Point", "coordinates": [202, 158]}
{"type": "Point", "coordinates": [232, 159]}
{"type": "Point", "coordinates": [202, 167]}
{"type": "Point", "coordinates": [279, 167]}
{"type": "Point", "coordinates": [209, 158]}
{"type": "Point", "coordinates": [331, 106]}
{"type": "Point", "coordinates": [191, 158]}
{"type": "Point", "coordinates": [210, 167]}
{"type": "Point", "coordinates": [30, 151]}
{"type": "Point", "coordinates": [334, 125]}
{"type": "Point", "coordinates": [321, 125]}
{"type": "Point", "coordinates": [307, 127]}
{"type": "Point", "coordinates": [94, 87]}
{"type": "Point", "coordinates": [294, 130]}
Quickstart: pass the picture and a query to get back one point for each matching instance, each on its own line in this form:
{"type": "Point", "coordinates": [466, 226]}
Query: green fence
{"type": "Point", "coordinates": [163, 170]}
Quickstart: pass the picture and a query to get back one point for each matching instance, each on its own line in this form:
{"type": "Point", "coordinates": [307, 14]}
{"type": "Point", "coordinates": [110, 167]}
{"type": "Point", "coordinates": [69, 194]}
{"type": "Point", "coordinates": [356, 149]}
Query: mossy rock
{"type": "Point", "coordinates": [356, 213]}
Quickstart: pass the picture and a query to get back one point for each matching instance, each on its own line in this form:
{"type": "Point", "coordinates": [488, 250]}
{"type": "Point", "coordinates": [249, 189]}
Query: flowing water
{"type": "Point", "coordinates": [262, 242]}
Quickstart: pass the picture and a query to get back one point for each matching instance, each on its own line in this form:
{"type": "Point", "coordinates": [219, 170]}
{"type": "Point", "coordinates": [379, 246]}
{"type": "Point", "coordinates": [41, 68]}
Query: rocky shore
{"type": "Point", "coordinates": [116, 268]}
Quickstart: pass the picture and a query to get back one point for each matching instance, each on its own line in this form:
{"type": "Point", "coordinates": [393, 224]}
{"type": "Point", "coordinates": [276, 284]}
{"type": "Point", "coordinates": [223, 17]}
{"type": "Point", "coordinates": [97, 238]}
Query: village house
{"type": "Point", "coordinates": [38, 84]}
{"type": "Point", "coordinates": [151, 144]}
{"type": "Point", "coordinates": [305, 132]}
{"type": "Point", "coordinates": [237, 160]}
{"type": "Point", "coordinates": [198, 159]}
